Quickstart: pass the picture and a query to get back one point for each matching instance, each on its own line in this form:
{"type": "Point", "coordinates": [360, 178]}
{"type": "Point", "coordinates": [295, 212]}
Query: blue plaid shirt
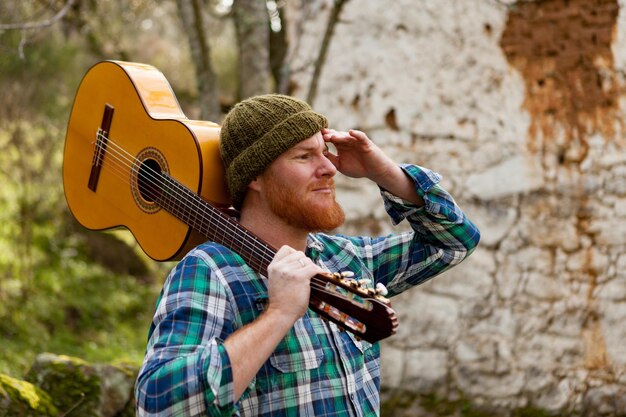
{"type": "Point", "coordinates": [317, 369]}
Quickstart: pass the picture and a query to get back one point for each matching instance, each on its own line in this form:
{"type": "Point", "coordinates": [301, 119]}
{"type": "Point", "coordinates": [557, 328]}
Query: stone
{"type": "Point", "coordinates": [611, 324]}
{"type": "Point", "coordinates": [392, 361]}
{"type": "Point", "coordinates": [550, 352]}
{"type": "Point", "coordinates": [495, 221]}
{"type": "Point", "coordinates": [470, 280]}
{"type": "Point", "coordinates": [554, 397]}
{"type": "Point", "coordinates": [612, 290]}
{"type": "Point", "coordinates": [421, 315]}
{"type": "Point", "coordinates": [425, 370]}
{"type": "Point", "coordinates": [604, 399]}
{"type": "Point", "coordinates": [480, 381]}
{"type": "Point", "coordinates": [502, 322]}
{"type": "Point", "coordinates": [609, 231]}
{"type": "Point", "coordinates": [517, 175]}
{"type": "Point", "coordinates": [21, 398]}
{"type": "Point", "coordinates": [76, 386]}
{"type": "Point", "coordinates": [543, 286]}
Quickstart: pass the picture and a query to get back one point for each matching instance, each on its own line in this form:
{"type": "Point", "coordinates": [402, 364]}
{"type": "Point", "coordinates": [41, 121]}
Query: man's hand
{"type": "Point", "coordinates": [290, 274]}
{"type": "Point", "coordinates": [357, 156]}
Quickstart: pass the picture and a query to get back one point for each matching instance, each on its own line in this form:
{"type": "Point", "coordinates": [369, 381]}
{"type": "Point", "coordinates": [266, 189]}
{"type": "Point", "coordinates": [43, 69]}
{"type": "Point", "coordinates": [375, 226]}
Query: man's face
{"type": "Point", "coordinates": [299, 187]}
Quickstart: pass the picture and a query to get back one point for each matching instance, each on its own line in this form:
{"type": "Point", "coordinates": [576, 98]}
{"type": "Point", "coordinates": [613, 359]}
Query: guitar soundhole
{"type": "Point", "coordinates": [149, 180]}
{"type": "Point", "coordinates": [146, 181]}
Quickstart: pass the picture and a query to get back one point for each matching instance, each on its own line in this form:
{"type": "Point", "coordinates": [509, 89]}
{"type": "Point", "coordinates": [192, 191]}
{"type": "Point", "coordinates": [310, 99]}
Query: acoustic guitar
{"type": "Point", "coordinates": [132, 159]}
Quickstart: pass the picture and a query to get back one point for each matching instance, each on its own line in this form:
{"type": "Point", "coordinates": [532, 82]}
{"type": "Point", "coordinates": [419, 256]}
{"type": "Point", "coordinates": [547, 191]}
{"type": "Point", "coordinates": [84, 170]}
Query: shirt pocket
{"type": "Point", "coordinates": [300, 350]}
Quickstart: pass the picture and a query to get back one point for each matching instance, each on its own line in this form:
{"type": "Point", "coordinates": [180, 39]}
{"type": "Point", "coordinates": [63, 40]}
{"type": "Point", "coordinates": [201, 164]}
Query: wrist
{"type": "Point", "coordinates": [279, 318]}
{"type": "Point", "coordinates": [387, 177]}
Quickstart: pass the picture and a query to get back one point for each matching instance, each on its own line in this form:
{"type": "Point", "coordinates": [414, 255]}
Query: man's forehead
{"type": "Point", "coordinates": [312, 143]}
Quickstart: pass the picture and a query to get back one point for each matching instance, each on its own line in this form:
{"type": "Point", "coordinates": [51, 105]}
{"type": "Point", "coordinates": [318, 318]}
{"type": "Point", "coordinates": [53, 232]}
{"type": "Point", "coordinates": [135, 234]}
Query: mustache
{"type": "Point", "coordinates": [329, 183]}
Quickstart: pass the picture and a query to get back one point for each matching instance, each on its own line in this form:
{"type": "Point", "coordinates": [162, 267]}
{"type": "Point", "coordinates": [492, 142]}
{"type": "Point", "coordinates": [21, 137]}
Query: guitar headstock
{"type": "Point", "coordinates": [353, 306]}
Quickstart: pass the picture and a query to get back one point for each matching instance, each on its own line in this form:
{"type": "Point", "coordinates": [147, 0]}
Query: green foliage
{"type": "Point", "coordinates": [397, 402]}
{"type": "Point", "coordinates": [53, 296]}
{"type": "Point", "coordinates": [61, 289]}
{"type": "Point", "coordinates": [531, 412]}
{"type": "Point", "coordinates": [80, 309]}
{"type": "Point", "coordinates": [38, 80]}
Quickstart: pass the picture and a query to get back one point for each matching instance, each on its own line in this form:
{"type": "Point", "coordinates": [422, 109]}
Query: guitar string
{"type": "Point", "coordinates": [316, 283]}
{"type": "Point", "coordinates": [196, 202]}
{"type": "Point", "coordinates": [156, 180]}
{"type": "Point", "coordinates": [122, 174]}
{"type": "Point", "coordinates": [123, 170]}
{"type": "Point", "coordinates": [119, 155]}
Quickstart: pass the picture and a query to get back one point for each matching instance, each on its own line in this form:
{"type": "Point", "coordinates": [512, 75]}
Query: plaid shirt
{"type": "Point", "coordinates": [317, 369]}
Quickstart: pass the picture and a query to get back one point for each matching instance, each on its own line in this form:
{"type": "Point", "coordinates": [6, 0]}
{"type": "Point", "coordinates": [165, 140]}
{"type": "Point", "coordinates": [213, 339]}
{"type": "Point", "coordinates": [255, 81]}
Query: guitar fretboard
{"type": "Point", "coordinates": [213, 224]}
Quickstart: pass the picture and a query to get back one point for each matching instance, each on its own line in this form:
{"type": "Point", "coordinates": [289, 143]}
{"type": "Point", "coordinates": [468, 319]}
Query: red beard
{"type": "Point", "coordinates": [307, 212]}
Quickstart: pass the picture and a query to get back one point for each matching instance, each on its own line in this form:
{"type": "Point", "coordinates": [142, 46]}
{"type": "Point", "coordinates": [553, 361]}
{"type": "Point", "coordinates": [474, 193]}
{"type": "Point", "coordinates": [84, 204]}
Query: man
{"type": "Point", "coordinates": [226, 341]}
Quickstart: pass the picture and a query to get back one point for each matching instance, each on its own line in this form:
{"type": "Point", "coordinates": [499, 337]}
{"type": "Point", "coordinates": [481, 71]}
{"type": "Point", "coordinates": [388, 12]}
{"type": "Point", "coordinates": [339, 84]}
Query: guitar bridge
{"type": "Point", "coordinates": [102, 139]}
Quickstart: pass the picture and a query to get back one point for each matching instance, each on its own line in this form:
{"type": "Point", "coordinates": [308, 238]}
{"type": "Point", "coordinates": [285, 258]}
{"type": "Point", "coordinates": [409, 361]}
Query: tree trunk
{"type": "Point", "coordinates": [191, 14]}
{"type": "Point", "coordinates": [253, 32]}
{"type": "Point", "coordinates": [278, 52]}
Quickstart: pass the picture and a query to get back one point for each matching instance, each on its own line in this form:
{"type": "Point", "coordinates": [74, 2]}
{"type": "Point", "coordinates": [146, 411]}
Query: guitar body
{"type": "Point", "coordinates": [146, 131]}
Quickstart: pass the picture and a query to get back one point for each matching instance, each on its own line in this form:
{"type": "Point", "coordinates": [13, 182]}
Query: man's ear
{"type": "Point", "coordinates": [256, 184]}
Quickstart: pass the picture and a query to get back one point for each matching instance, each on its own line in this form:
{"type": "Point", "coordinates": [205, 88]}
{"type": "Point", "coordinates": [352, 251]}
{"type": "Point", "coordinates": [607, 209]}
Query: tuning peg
{"type": "Point", "coordinates": [381, 289]}
{"type": "Point", "coordinates": [363, 283]}
{"type": "Point", "coordinates": [343, 275]}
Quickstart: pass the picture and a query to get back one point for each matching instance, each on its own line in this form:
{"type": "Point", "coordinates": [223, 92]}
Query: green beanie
{"type": "Point", "coordinates": [256, 131]}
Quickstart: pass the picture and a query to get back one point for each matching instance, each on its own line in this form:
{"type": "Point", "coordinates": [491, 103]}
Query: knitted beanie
{"type": "Point", "coordinates": [256, 131]}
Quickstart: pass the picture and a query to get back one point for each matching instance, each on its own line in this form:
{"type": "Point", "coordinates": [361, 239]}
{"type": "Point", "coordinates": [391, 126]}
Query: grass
{"type": "Point", "coordinates": [75, 308]}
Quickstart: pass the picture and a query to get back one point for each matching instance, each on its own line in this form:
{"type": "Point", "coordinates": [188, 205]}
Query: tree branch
{"type": "Point", "coordinates": [294, 29]}
{"type": "Point", "coordinates": [321, 58]}
{"type": "Point", "coordinates": [41, 24]}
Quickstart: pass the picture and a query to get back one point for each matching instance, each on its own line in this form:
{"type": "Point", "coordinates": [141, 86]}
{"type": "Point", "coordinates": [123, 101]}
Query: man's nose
{"type": "Point", "coordinates": [326, 168]}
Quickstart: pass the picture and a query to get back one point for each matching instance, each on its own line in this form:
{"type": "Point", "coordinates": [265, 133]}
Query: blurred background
{"type": "Point", "coordinates": [518, 104]}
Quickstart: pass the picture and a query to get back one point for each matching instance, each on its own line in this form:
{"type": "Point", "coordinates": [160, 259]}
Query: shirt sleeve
{"type": "Point", "coordinates": [442, 235]}
{"type": "Point", "coordinates": [186, 370]}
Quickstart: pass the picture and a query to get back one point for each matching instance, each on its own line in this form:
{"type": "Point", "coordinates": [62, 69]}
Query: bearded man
{"type": "Point", "coordinates": [226, 340]}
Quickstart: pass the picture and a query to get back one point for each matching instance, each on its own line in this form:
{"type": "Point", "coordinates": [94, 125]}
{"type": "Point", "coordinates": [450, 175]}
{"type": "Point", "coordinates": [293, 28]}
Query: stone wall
{"type": "Point", "coordinates": [520, 105]}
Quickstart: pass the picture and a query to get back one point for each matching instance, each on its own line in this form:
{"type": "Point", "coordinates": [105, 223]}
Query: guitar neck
{"type": "Point", "coordinates": [212, 223]}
